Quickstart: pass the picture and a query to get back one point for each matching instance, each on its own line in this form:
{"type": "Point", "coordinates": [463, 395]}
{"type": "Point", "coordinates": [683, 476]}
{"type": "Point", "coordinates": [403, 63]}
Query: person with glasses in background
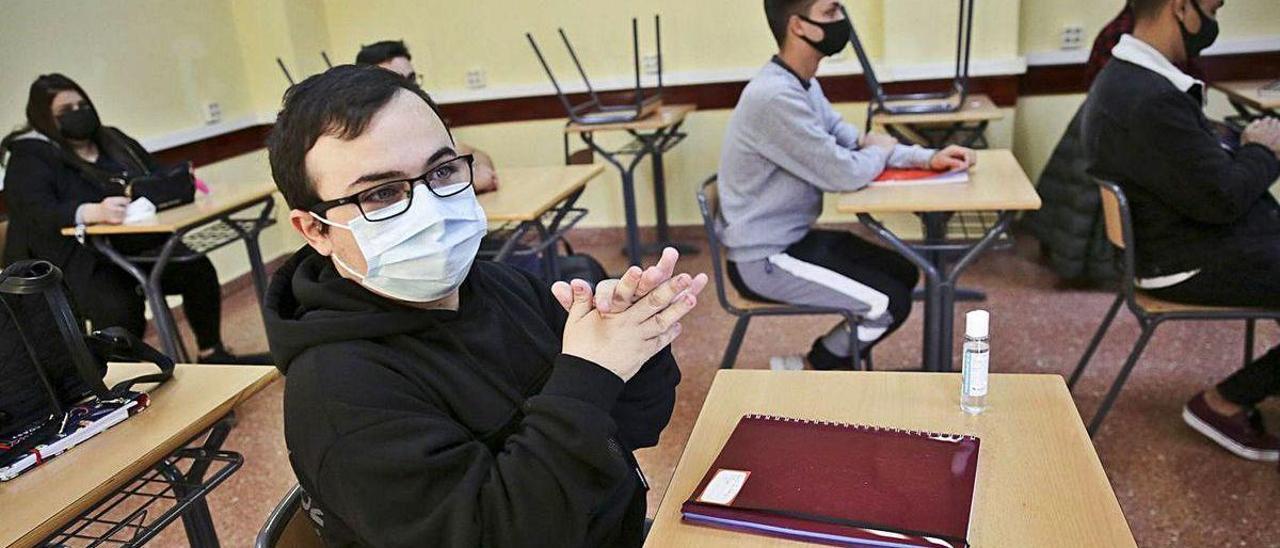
{"type": "Point", "coordinates": [434, 400]}
{"type": "Point", "coordinates": [394, 56]}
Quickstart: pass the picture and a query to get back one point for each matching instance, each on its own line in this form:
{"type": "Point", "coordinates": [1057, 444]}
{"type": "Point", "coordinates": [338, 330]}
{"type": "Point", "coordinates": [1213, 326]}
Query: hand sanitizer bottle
{"type": "Point", "coordinates": [977, 352]}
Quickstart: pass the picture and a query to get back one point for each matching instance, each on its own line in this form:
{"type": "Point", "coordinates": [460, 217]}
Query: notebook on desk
{"type": "Point", "coordinates": [839, 484]}
{"type": "Point", "coordinates": [920, 177]}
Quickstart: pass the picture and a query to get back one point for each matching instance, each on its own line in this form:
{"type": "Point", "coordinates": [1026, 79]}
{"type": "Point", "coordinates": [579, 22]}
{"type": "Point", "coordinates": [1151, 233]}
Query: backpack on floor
{"type": "Point", "coordinates": [580, 265]}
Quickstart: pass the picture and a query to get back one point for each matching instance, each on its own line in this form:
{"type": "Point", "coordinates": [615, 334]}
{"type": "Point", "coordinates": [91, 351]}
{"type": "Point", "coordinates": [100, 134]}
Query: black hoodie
{"type": "Point", "coordinates": [458, 428]}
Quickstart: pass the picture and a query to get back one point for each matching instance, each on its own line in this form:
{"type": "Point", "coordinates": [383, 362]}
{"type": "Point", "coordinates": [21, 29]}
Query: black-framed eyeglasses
{"type": "Point", "coordinates": [387, 200]}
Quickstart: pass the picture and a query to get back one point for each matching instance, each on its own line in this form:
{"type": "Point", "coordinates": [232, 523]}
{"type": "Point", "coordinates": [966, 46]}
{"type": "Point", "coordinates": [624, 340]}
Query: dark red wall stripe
{"type": "Point", "coordinates": [218, 147]}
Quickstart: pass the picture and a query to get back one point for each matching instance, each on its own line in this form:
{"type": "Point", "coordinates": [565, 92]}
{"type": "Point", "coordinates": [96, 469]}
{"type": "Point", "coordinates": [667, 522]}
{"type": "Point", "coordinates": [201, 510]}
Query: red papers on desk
{"type": "Point", "coordinates": [920, 177]}
{"type": "Point", "coordinates": [839, 484]}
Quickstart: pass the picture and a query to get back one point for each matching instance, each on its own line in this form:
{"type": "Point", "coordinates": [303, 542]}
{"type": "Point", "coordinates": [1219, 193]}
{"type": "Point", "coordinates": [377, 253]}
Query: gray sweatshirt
{"type": "Point", "coordinates": [784, 147]}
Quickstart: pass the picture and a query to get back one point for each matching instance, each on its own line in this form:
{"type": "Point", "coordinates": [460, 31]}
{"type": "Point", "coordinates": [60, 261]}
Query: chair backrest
{"type": "Point", "coordinates": [1111, 217]}
{"type": "Point", "coordinates": [709, 206]}
{"type": "Point", "coordinates": [1119, 229]}
{"type": "Point", "coordinates": [288, 526]}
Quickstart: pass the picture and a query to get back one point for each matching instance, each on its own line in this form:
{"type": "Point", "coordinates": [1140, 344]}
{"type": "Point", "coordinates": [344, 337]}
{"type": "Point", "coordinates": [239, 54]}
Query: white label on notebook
{"type": "Point", "coordinates": [724, 486]}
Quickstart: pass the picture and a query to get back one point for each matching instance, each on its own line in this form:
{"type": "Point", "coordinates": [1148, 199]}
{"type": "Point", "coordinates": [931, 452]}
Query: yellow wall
{"type": "Point", "coordinates": [150, 65]}
{"type": "Point", "coordinates": [923, 31]}
{"type": "Point", "coordinates": [1042, 21]}
{"type": "Point", "coordinates": [1249, 18]}
{"type": "Point", "coordinates": [484, 35]}
{"type": "Point", "coordinates": [697, 35]}
{"type": "Point", "coordinates": [293, 30]}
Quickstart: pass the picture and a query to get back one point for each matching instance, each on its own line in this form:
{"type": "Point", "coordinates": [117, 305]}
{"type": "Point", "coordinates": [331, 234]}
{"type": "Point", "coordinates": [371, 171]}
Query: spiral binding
{"type": "Point", "coordinates": [866, 427]}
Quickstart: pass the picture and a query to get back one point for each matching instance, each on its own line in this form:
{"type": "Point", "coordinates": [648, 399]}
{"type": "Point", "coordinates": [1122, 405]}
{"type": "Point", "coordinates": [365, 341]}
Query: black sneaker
{"type": "Point", "coordinates": [220, 356]}
{"type": "Point", "coordinates": [823, 360]}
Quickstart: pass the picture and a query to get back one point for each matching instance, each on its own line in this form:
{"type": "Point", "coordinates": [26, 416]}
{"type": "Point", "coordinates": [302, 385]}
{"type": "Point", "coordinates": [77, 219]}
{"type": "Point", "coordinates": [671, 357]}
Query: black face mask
{"type": "Point", "coordinates": [1198, 42]}
{"type": "Point", "coordinates": [835, 35]}
{"type": "Point", "coordinates": [79, 124]}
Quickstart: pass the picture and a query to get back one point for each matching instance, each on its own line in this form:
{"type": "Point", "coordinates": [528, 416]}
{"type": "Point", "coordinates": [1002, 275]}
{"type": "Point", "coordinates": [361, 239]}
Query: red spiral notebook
{"type": "Point", "coordinates": [920, 177]}
{"type": "Point", "coordinates": [839, 484]}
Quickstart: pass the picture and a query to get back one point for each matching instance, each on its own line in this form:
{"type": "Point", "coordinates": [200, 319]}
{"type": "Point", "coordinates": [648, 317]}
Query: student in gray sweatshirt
{"type": "Point", "coordinates": [784, 147]}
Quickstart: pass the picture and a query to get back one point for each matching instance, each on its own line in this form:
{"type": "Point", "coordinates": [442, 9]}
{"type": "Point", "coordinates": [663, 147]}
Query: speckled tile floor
{"type": "Point", "coordinates": [1176, 488]}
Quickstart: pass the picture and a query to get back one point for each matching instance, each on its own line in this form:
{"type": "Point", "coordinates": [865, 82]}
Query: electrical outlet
{"type": "Point", "coordinates": [649, 63]}
{"type": "Point", "coordinates": [475, 78]}
{"type": "Point", "coordinates": [1072, 37]}
{"type": "Point", "coordinates": [212, 113]}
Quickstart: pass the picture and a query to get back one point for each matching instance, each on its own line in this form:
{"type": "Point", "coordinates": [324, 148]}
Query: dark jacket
{"type": "Point", "coordinates": [458, 428]}
{"type": "Point", "coordinates": [43, 189]}
{"type": "Point", "coordinates": [1194, 201]}
{"type": "Point", "coordinates": [1069, 221]}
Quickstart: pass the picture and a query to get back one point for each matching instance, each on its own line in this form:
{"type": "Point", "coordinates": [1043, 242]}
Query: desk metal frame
{"type": "Point", "coordinates": [121, 519]}
{"type": "Point", "coordinates": [939, 279]}
{"type": "Point", "coordinates": [653, 145]}
{"type": "Point", "coordinates": [246, 230]}
{"type": "Point", "coordinates": [935, 135]}
{"type": "Point", "coordinates": [1246, 113]}
{"type": "Point", "coordinates": [548, 234]}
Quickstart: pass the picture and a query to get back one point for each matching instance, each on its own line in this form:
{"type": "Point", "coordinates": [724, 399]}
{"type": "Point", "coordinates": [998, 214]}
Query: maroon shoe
{"type": "Point", "coordinates": [1241, 433]}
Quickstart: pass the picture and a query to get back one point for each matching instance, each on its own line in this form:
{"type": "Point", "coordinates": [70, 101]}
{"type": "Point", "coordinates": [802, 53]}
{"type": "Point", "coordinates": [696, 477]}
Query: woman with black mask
{"type": "Point", "coordinates": [56, 174]}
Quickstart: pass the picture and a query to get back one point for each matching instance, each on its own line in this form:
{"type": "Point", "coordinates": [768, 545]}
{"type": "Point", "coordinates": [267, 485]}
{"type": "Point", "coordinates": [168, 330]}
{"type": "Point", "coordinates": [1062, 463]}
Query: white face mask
{"type": "Point", "coordinates": [423, 254]}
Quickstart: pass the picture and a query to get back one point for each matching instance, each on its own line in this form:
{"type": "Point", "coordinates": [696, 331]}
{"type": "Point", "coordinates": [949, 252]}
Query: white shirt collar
{"type": "Point", "coordinates": [1142, 54]}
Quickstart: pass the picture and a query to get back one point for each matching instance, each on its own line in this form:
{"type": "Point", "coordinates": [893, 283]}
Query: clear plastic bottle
{"type": "Point", "coordinates": [977, 353]}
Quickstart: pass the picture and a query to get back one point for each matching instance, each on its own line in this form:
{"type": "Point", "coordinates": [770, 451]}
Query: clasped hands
{"type": "Point", "coordinates": [621, 323]}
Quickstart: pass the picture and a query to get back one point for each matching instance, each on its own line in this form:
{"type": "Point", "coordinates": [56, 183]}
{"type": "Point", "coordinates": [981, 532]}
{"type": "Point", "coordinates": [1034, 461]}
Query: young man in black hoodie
{"type": "Point", "coordinates": [1206, 227]}
{"type": "Point", "coordinates": [432, 400]}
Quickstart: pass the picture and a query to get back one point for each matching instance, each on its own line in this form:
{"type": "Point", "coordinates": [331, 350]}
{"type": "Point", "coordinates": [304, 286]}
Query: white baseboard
{"type": "Point", "coordinates": [191, 135]}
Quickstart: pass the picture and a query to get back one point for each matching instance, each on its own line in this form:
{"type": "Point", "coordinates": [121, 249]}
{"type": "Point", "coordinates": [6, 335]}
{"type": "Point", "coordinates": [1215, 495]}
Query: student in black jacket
{"type": "Point", "coordinates": [433, 400]}
{"type": "Point", "coordinates": [1206, 226]}
{"type": "Point", "coordinates": [57, 167]}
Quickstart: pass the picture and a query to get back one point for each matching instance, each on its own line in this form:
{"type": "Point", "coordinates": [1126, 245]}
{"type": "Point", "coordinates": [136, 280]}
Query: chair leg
{"type": "Point", "coordinates": [735, 342]}
{"type": "Point", "coordinates": [1093, 344]}
{"type": "Point", "coordinates": [1249, 330]}
{"type": "Point", "coordinates": [1110, 399]}
{"type": "Point", "coordinates": [855, 345]}
{"type": "Point", "coordinates": [866, 361]}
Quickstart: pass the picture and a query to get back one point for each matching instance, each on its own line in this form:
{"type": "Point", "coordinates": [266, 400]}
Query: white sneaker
{"type": "Point", "coordinates": [787, 363]}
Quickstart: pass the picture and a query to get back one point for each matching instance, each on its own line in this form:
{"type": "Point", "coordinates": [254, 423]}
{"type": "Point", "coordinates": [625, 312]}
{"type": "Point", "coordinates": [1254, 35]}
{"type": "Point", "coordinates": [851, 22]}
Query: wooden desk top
{"type": "Point", "coordinates": [529, 192]}
{"type": "Point", "coordinates": [1039, 481]}
{"type": "Point", "coordinates": [667, 116]}
{"type": "Point", "coordinates": [977, 108]}
{"type": "Point", "coordinates": [996, 183]}
{"type": "Point", "coordinates": [1247, 92]}
{"type": "Point", "coordinates": [235, 182]}
{"type": "Point", "coordinates": [39, 502]}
